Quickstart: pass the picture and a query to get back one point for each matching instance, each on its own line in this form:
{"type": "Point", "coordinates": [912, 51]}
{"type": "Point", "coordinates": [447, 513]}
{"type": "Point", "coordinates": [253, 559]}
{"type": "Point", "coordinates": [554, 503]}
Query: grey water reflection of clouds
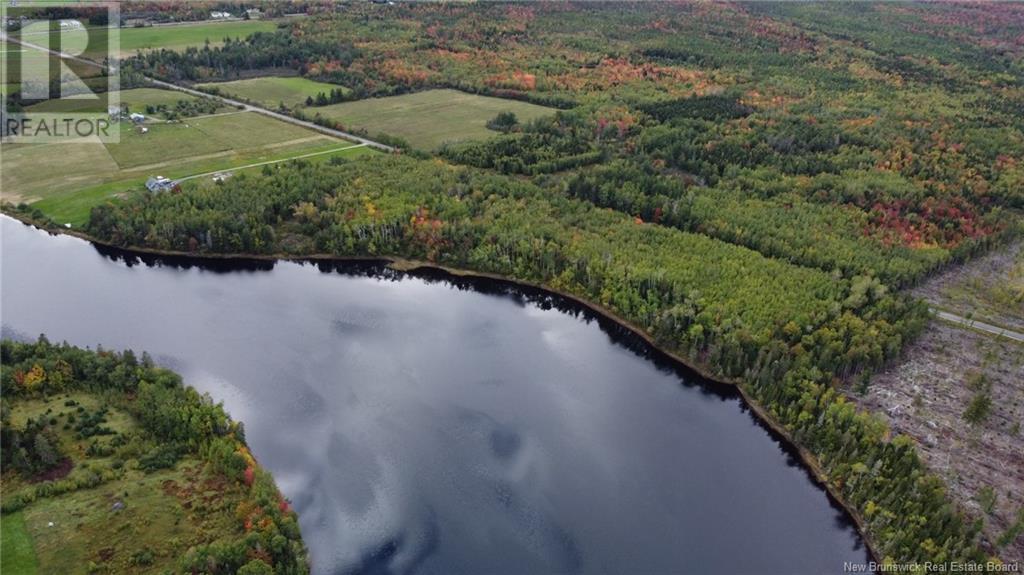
{"type": "Point", "coordinates": [420, 428]}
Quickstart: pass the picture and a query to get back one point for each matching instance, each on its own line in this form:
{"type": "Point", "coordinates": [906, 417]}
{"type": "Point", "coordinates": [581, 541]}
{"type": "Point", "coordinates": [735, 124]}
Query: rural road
{"type": "Point", "coordinates": [268, 162]}
{"type": "Point", "coordinates": [273, 114]}
{"type": "Point", "coordinates": [229, 101]}
{"type": "Point", "coordinates": [979, 325]}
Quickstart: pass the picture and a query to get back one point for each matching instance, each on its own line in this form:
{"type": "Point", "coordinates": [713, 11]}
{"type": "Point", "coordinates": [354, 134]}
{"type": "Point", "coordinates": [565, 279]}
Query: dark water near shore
{"type": "Point", "coordinates": [422, 425]}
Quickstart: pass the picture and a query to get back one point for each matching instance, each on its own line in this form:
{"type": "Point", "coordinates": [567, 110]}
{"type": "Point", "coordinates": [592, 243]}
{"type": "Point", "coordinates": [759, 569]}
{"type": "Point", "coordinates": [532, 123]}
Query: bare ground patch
{"type": "Point", "coordinates": [925, 397]}
{"type": "Point", "coordinates": [991, 288]}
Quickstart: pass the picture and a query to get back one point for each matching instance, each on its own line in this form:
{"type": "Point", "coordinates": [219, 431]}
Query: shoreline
{"type": "Point", "coordinates": [397, 263]}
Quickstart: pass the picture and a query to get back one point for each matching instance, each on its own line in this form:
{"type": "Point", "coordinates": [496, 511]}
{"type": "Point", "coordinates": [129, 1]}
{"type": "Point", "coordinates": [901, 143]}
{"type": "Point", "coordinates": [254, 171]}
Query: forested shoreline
{"type": "Point", "coordinates": [751, 186]}
{"type": "Point", "coordinates": [784, 332]}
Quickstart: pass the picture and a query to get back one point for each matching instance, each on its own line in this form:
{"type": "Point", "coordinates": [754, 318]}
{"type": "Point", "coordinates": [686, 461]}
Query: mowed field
{"type": "Point", "coordinates": [66, 180]}
{"type": "Point", "coordinates": [132, 40]}
{"type": "Point", "coordinates": [271, 91]}
{"type": "Point", "coordinates": [181, 36]}
{"type": "Point", "coordinates": [428, 119]}
{"type": "Point", "coordinates": [17, 555]}
{"type": "Point", "coordinates": [26, 66]}
{"type": "Point", "coordinates": [136, 99]}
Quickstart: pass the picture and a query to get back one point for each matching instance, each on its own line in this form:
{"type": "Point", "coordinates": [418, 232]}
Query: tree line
{"type": "Point", "coordinates": [785, 332]}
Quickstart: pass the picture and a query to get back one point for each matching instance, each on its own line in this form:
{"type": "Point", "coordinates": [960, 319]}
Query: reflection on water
{"type": "Point", "coordinates": [433, 424]}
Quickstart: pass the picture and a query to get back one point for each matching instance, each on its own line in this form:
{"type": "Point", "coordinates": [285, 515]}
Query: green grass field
{"type": "Point", "coordinates": [181, 36]}
{"type": "Point", "coordinates": [23, 66]}
{"type": "Point", "coordinates": [132, 40]}
{"type": "Point", "coordinates": [94, 172]}
{"type": "Point", "coordinates": [428, 119]}
{"type": "Point", "coordinates": [17, 555]}
{"type": "Point", "coordinates": [271, 91]}
{"type": "Point", "coordinates": [136, 99]}
{"type": "Point", "coordinates": [172, 37]}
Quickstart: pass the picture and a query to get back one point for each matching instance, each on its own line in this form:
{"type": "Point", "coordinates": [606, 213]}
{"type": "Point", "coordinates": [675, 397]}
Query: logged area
{"type": "Point", "coordinates": [781, 195]}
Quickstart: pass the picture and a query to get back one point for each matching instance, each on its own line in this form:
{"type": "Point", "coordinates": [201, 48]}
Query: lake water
{"type": "Point", "coordinates": [426, 426]}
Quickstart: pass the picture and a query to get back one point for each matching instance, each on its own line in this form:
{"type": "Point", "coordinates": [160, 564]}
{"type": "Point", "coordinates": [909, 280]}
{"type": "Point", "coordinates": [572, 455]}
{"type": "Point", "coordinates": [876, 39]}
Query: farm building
{"type": "Point", "coordinates": [137, 117]}
{"type": "Point", "coordinates": [159, 184]}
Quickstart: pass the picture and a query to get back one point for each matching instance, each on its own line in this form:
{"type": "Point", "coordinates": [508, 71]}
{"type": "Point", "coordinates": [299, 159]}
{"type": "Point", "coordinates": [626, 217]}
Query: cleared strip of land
{"type": "Point", "coordinates": [979, 325]}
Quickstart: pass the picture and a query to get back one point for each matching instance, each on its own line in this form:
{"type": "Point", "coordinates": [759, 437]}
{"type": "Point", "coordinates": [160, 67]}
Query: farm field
{"type": "Point", "coordinates": [181, 36]}
{"type": "Point", "coordinates": [22, 65]}
{"type": "Point", "coordinates": [136, 99]}
{"type": "Point", "coordinates": [91, 173]}
{"type": "Point", "coordinates": [171, 37]}
{"type": "Point", "coordinates": [428, 119]}
{"type": "Point", "coordinates": [272, 91]}
{"type": "Point", "coordinates": [176, 36]}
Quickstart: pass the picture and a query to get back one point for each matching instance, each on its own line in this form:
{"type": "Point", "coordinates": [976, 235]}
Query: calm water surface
{"type": "Point", "coordinates": [421, 426]}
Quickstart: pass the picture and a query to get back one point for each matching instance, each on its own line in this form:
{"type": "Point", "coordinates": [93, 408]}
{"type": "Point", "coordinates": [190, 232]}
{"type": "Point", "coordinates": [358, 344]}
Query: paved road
{"type": "Point", "coordinates": [229, 101]}
{"type": "Point", "coordinates": [979, 325]}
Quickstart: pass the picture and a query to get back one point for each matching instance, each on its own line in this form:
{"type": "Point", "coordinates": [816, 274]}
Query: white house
{"type": "Point", "coordinates": [219, 15]}
{"type": "Point", "coordinates": [137, 117]}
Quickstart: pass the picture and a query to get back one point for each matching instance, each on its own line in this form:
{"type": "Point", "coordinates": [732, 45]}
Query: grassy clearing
{"type": "Point", "coordinates": [171, 37]}
{"type": "Point", "coordinates": [30, 171]}
{"type": "Point", "coordinates": [129, 471]}
{"type": "Point", "coordinates": [181, 36]}
{"type": "Point", "coordinates": [73, 206]}
{"type": "Point", "coordinates": [428, 119]}
{"type": "Point", "coordinates": [272, 91]}
{"type": "Point", "coordinates": [201, 137]}
{"type": "Point", "coordinates": [91, 172]}
{"type": "Point", "coordinates": [17, 555]}
{"type": "Point", "coordinates": [136, 99]}
{"type": "Point", "coordinates": [158, 515]}
{"type": "Point", "coordinates": [94, 173]}
{"type": "Point", "coordinates": [250, 130]}
{"type": "Point", "coordinates": [164, 513]}
{"type": "Point", "coordinates": [163, 142]}
{"type": "Point", "coordinates": [24, 67]}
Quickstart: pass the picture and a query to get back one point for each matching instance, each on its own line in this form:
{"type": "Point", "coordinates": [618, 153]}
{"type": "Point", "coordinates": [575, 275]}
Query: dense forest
{"type": "Point", "coordinates": [175, 423]}
{"type": "Point", "coordinates": [786, 331]}
{"type": "Point", "coordinates": [750, 184]}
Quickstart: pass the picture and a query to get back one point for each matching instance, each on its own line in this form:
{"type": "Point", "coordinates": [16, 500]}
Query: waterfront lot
{"type": "Point", "coordinates": [94, 172]}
